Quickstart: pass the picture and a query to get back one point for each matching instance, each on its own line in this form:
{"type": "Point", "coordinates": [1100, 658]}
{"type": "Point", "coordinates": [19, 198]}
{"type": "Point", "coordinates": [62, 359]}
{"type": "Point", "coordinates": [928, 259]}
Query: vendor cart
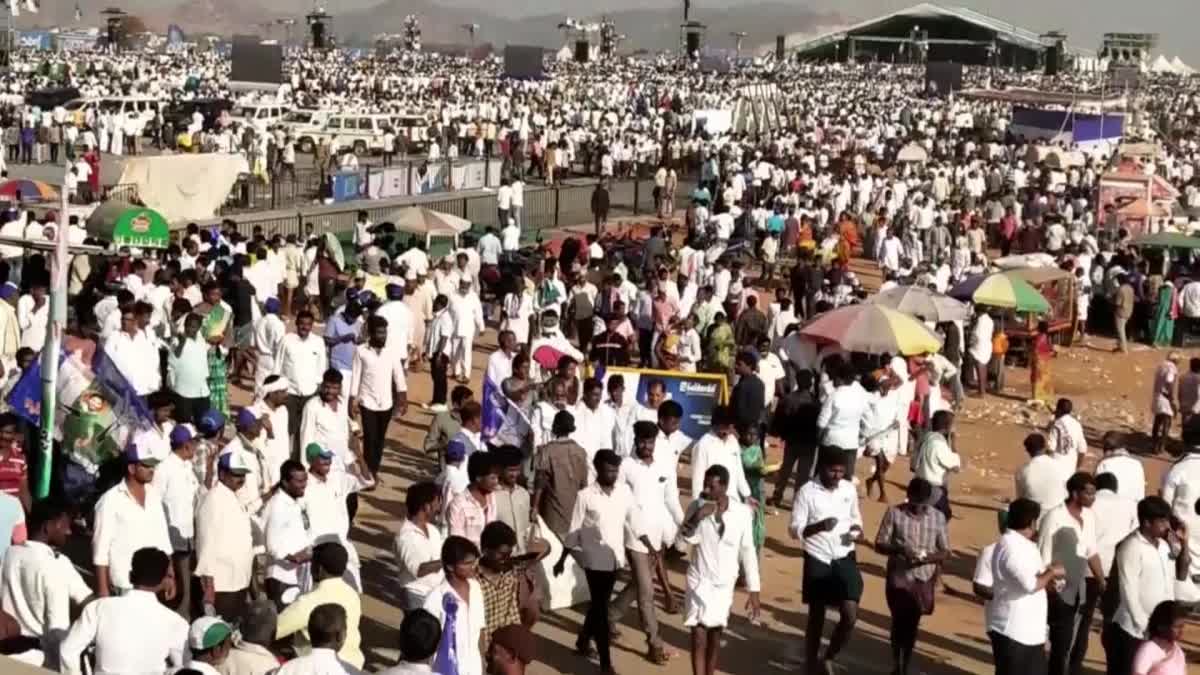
{"type": "Point", "coordinates": [1058, 287]}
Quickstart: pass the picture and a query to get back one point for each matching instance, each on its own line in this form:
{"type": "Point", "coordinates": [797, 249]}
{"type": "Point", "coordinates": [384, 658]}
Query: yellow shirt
{"type": "Point", "coordinates": [293, 620]}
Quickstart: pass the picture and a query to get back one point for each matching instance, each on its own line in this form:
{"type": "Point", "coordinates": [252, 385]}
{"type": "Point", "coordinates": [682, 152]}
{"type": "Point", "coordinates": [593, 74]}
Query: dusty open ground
{"type": "Point", "coordinates": [1110, 392]}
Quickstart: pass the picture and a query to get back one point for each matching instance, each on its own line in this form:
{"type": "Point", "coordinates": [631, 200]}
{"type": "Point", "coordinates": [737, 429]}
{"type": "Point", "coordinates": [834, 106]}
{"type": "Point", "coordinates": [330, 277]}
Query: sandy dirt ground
{"type": "Point", "coordinates": [1110, 392]}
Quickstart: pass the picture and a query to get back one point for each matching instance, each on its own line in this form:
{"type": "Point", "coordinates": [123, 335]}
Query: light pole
{"type": "Point", "coordinates": [738, 36]}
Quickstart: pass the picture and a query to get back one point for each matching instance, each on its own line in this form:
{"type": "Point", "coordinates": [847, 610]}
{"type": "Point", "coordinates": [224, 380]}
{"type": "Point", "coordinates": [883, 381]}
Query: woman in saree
{"type": "Point", "coordinates": [1039, 364]}
{"type": "Point", "coordinates": [1165, 313]}
{"type": "Point", "coordinates": [754, 465]}
{"type": "Point", "coordinates": [721, 345]}
{"type": "Point", "coordinates": [217, 316]}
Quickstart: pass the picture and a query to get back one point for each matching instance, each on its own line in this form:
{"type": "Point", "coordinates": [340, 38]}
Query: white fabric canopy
{"type": "Point", "coordinates": [169, 183]}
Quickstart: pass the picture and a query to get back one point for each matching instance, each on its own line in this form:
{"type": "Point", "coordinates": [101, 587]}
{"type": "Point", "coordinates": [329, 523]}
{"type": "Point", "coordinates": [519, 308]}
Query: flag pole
{"type": "Point", "coordinates": [53, 346]}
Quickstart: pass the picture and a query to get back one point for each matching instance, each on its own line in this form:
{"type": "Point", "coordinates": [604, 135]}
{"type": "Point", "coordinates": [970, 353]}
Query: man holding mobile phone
{"type": "Point", "coordinates": [826, 517]}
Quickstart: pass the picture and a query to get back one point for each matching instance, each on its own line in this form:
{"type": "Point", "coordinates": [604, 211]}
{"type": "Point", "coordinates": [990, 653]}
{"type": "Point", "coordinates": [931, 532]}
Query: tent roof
{"type": "Point", "coordinates": [927, 10]}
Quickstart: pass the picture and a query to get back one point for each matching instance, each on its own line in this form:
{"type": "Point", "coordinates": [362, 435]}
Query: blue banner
{"type": "Point", "coordinates": [697, 393]}
{"type": "Point", "coordinates": [128, 408]}
{"type": "Point", "coordinates": [26, 395]}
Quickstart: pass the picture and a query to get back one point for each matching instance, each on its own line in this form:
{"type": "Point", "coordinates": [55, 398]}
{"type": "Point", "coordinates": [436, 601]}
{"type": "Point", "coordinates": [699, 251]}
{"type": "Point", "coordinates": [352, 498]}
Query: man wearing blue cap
{"type": "Point", "coordinates": [248, 445]}
{"type": "Point", "coordinates": [268, 336]}
{"type": "Point", "coordinates": [399, 321]}
{"type": "Point", "coordinates": [129, 517]}
{"type": "Point", "coordinates": [177, 482]}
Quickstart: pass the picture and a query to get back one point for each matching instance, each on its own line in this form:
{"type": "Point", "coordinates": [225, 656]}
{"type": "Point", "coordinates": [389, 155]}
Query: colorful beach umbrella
{"type": "Point", "coordinates": [31, 190]}
{"type": "Point", "coordinates": [1001, 289]}
{"type": "Point", "coordinates": [922, 303]}
{"type": "Point", "coordinates": [873, 329]}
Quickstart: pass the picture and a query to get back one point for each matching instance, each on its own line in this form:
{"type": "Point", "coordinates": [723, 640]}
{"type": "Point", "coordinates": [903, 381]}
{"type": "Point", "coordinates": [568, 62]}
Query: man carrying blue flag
{"type": "Point", "coordinates": [499, 369]}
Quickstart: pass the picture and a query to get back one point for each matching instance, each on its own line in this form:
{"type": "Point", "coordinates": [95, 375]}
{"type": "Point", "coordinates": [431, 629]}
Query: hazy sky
{"type": "Point", "coordinates": [1083, 20]}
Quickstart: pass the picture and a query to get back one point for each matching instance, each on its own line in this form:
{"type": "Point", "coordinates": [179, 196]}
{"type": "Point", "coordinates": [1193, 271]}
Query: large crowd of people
{"type": "Point", "coordinates": [218, 526]}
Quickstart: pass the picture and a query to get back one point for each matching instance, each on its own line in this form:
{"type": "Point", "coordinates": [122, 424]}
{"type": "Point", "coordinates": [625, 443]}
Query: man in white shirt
{"type": "Point", "coordinates": [503, 201]}
{"type": "Point", "coordinates": [327, 631]}
{"type": "Point", "coordinates": [288, 542]}
{"type": "Point", "coordinates": [302, 359]}
{"type": "Point", "coordinates": [1065, 439]}
{"type": "Point", "coordinates": [129, 350]}
{"type": "Point", "coordinates": [129, 517]}
{"type": "Point", "coordinates": [439, 344]}
{"type": "Point", "coordinates": [132, 633]}
{"type": "Point", "coordinates": [1146, 576]}
{"type": "Point", "coordinates": [399, 322]}
{"type": "Point", "coordinates": [467, 313]}
{"type": "Point", "coordinates": [597, 534]}
{"type": "Point", "coordinates": [1128, 470]}
{"type": "Point", "coordinates": [721, 531]}
{"type": "Point", "coordinates": [1041, 478]}
{"type": "Point", "coordinates": [377, 372]}
{"type": "Point", "coordinates": [1116, 518]}
{"type": "Point", "coordinates": [176, 481]}
{"type": "Point", "coordinates": [980, 348]}
{"type": "Point", "coordinates": [840, 419]}
{"type": "Point", "coordinates": [1181, 488]}
{"type": "Point", "coordinates": [825, 515]}
{"type": "Point", "coordinates": [657, 495]}
{"type": "Point", "coordinates": [1016, 615]}
{"type": "Point", "coordinates": [935, 460]}
{"type": "Point", "coordinates": [1067, 534]}
{"type": "Point", "coordinates": [269, 332]}
{"type": "Point", "coordinates": [418, 545]}
{"type": "Point", "coordinates": [224, 541]}
{"type": "Point", "coordinates": [33, 316]}
{"type": "Point", "coordinates": [38, 584]}
{"type": "Point", "coordinates": [510, 238]}
{"type": "Point", "coordinates": [720, 446]}
{"type": "Point", "coordinates": [595, 423]}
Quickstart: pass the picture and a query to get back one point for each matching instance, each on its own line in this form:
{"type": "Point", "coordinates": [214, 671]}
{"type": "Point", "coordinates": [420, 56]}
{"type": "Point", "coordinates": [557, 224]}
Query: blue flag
{"type": "Point", "coordinates": [128, 408]}
{"type": "Point", "coordinates": [26, 396]}
{"type": "Point", "coordinates": [494, 405]}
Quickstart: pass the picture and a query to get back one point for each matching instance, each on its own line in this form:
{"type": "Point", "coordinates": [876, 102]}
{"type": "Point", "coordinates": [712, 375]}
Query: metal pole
{"type": "Point", "coordinates": [50, 352]}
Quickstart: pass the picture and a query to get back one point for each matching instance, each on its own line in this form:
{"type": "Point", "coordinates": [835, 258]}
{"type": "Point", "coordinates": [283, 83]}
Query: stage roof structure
{"type": "Point", "coordinates": [930, 32]}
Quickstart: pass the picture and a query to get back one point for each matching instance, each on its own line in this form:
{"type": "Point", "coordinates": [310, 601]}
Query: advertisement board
{"type": "Point", "coordinates": [697, 393]}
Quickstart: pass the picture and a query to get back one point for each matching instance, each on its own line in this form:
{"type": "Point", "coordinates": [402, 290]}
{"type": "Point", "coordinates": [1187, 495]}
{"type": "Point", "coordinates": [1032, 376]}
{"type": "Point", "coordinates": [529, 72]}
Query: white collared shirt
{"type": "Point", "coordinates": [285, 524]}
{"type": "Point", "coordinates": [717, 557]}
{"type": "Point", "coordinates": [1146, 577]}
{"type": "Point", "coordinates": [598, 526]}
{"type": "Point", "coordinates": [1181, 487]}
{"type": "Point", "coordinates": [934, 459]}
{"type": "Point", "coordinates": [1066, 443]}
{"type": "Point", "coordinates": [224, 540]}
{"type": "Point", "coordinates": [470, 620]}
{"type": "Point", "coordinates": [374, 374]}
{"type": "Point", "coordinates": [594, 430]}
{"type": "Point", "coordinates": [1116, 518]}
{"type": "Point", "coordinates": [276, 448]}
{"type": "Point", "coordinates": [710, 451]}
{"type": "Point", "coordinates": [37, 587]}
{"type": "Point", "coordinates": [319, 662]}
{"type": "Point", "coordinates": [123, 527]}
{"type": "Point", "coordinates": [176, 481]}
{"type": "Point", "coordinates": [1131, 475]}
{"type": "Point", "coordinates": [413, 548]}
{"type": "Point", "coordinates": [841, 416]}
{"type": "Point", "coordinates": [1041, 479]}
{"type": "Point", "coordinates": [136, 357]}
{"type": "Point", "coordinates": [656, 492]}
{"type": "Point", "coordinates": [814, 503]}
{"type": "Point", "coordinates": [133, 633]}
{"type": "Point", "coordinates": [1018, 607]}
{"type": "Point", "coordinates": [321, 423]}
{"type": "Point", "coordinates": [1072, 542]}
{"type": "Point", "coordinates": [399, 325]}
{"type": "Point", "coordinates": [187, 372]}
{"type": "Point", "coordinates": [302, 362]}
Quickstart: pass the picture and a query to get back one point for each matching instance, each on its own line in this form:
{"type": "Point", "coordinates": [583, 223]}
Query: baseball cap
{"type": "Point", "coordinates": [246, 419]}
{"type": "Point", "coordinates": [456, 451]}
{"type": "Point", "coordinates": [181, 434]}
{"type": "Point", "coordinates": [272, 305]}
{"type": "Point", "coordinates": [208, 632]}
{"type": "Point", "coordinates": [210, 422]}
{"type": "Point", "coordinates": [234, 463]}
{"type": "Point", "coordinates": [395, 292]}
{"type": "Point", "coordinates": [141, 453]}
{"type": "Point", "coordinates": [314, 450]}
